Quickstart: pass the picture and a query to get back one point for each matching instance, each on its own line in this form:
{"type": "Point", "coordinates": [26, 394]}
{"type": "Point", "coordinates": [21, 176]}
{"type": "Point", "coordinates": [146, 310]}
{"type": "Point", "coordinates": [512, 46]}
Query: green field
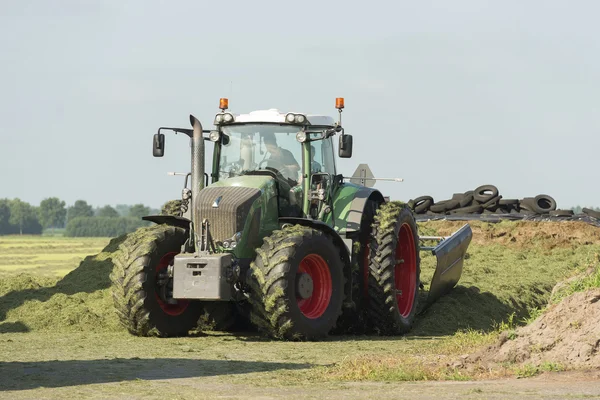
{"type": "Point", "coordinates": [62, 324]}
{"type": "Point", "coordinates": [45, 255]}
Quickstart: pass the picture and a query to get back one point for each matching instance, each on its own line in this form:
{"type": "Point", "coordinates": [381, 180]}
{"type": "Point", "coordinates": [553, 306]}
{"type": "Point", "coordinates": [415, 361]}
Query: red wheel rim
{"type": "Point", "coordinates": [405, 273]}
{"type": "Point", "coordinates": [171, 309]}
{"type": "Point", "coordinates": [314, 306]}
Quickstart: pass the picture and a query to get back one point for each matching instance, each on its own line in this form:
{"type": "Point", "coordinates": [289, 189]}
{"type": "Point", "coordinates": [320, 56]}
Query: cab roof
{"type": "Point", "coordinates": [275, 116]}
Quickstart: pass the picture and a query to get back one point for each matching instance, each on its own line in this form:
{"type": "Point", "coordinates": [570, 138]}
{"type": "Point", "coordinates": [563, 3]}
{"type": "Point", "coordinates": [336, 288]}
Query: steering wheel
{"type": "Point", "coordinates": [260, 164]}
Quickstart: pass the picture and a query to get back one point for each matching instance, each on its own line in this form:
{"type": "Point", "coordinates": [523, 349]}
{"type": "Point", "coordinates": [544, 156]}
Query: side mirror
{"type": "Point", "coordinates": [345, 148]}
{"type": "Point", "coordinates": [158, 145]}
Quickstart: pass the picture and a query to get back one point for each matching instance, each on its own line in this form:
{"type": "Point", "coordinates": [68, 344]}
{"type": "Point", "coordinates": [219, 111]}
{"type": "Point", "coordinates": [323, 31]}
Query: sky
{"type": "Point", "coordinates": [447, 95]}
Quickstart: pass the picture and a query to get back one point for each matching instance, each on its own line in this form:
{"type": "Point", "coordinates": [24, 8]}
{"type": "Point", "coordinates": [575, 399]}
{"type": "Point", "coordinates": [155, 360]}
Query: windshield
{"type": "Point", "coordinates": [255, 147]}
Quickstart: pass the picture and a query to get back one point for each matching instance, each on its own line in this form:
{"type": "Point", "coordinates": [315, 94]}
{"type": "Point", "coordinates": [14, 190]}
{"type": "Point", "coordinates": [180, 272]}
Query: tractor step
{"type": "Point", "coordinates": [450, 254]}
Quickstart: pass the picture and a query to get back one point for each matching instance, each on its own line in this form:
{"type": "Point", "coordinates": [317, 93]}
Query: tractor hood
{"type": "Point", "coordinates": [230, 205]}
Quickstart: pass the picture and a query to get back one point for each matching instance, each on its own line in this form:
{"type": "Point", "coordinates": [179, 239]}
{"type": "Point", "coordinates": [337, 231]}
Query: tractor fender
{"type": "Point", "coordinates": [172, 220]}
{"type": "Point", "coordinates": [337, 240]}
{"type": "Point", "coordinates": [357, 208]}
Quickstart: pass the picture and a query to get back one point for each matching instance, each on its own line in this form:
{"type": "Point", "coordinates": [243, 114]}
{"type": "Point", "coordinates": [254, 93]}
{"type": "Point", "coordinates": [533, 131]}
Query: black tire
{"type": "Point", "coordinates": [591, 213]}
{"type": "Point", "coordinates": [353, 319]}
{"type": "Point", "coordinates": [485, 193]}
{"type": "Point", "coordinates": [274, 281]}
{"type": "Point", "coordinates": [476, 209]}
{"type": "Point", "coordinates": [492, 204]}
{"type": "Point", "coordinates": [394, 249]}
{"type": "Point", "coordinates": [135, 290]}
{"type": "Point", "coordinates": [444, 206]}
{"type": "Point", "coordinates": [422, 199]}
{"type": "Point", "coordinates": [526, 204]}
{"type": "Point", "coordinates": [458, 196]}
{"type": "Point", "coordinates": [423, 207]}
{"type": "Point", "coordinates": [466, 201]}
{"type": "Point", "coordinates": [543, 204]}
{"type": "Point", "coordinates": [508, 202]}
{"type": "Point", "coordinates": [562, 213]}
{"type": "Point", "coordinates": [439, 207]}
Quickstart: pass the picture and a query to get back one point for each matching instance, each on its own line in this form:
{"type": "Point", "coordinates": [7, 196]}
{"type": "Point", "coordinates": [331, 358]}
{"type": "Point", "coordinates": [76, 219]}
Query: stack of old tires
{"type": "Point", "coordinates": [487, 200]}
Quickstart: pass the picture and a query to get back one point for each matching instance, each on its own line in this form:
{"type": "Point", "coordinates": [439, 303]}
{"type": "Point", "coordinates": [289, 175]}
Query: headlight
{"type": "Point", "coordinates": [228, 117]}
{"type": "Point", "coordinates": [290, 118]}
{"type": "Point", "coordinates": [232, 241]}
{"type": "Point", "coordinates": [218, 119]}
{"type": "Point", "coordinates": [300, 119]}
{"type": "Point", "coordinates": [214, 136]}
{"type": "Point", "coordinates": [301, 136]}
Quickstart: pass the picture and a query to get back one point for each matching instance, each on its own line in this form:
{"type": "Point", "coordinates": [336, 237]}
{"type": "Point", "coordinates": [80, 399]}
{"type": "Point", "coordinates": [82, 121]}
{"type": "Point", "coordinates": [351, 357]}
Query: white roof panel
{"type": "Point", "coordinates": [275, 116]}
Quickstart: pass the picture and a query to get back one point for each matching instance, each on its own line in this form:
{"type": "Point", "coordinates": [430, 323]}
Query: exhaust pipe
{"type": "Point", "coordinates": [197, 170]}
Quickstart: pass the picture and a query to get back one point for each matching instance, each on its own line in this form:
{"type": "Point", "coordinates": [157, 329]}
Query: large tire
{"type": "Point", "coordinates": [353, 319]}
{"type": "Point", "coordinates": [137, 295]}
{"type": "Point", "coordinates": [394, 267]}
{"type": "Point", "coordinates": [297, 284]}
{"type": "Point", "coordinates": [543, 204]}
{"type": "Point", "coordinates": [484, 193]}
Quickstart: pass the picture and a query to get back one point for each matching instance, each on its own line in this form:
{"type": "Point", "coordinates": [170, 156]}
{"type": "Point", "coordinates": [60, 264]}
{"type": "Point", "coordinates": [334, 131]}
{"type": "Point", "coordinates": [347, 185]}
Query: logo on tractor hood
{"type": "Point", "coordinates": [217, 201]}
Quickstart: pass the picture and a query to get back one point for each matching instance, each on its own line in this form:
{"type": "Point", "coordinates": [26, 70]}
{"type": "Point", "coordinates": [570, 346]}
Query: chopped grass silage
{"type": "Point", "coordinates": [510, 269]}
{"type": "Point", "coordinates": [501, 278]}
{"type": "Point", "coordinates": [80, 300]}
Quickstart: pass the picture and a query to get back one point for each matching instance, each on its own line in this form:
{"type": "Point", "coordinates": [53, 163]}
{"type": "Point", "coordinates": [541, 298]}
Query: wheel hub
{"type": "Point", "coordinates": [304, 285]}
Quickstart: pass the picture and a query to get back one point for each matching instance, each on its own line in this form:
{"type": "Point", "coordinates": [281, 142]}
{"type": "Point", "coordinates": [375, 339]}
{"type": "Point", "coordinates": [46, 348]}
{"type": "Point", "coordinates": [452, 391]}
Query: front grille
{"type": "Point", "coordinates": [233, 208]}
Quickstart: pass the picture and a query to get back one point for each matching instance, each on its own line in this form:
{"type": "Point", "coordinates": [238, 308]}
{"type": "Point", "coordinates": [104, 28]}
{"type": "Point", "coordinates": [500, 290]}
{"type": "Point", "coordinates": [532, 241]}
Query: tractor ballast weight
{"type": "Point", "coordinates": [290, 245]}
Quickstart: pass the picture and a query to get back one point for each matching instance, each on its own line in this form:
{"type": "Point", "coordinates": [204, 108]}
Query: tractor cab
{"type": "Point", "coordinates": [294, 148]}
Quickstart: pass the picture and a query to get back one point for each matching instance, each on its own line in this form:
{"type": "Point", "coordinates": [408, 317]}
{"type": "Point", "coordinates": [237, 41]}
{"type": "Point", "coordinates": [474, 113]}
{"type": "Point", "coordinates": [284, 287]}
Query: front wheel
{"type": "Point", "coordinates": [394, 270]}
{"type": "Point", "coordinates": [297, 284]}
{"type": "Point", "coordinates": [141, 289]}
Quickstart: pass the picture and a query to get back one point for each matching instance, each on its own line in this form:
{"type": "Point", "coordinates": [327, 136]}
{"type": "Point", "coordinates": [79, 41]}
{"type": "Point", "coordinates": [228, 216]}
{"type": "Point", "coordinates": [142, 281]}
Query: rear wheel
{"type": "Point", "coordinates": [297, 284]}
{"type": "Point", "coordinates": [394, 270]}
{"type": "Point", "coordinates": [141, 289]}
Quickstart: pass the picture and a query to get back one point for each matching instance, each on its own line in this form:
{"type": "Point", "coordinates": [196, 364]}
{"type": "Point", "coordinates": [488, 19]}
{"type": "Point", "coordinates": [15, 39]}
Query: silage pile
{"type": "Point", "coordinates": [79, 301]}
{"type": "Point", "coordinates": [566, 335]}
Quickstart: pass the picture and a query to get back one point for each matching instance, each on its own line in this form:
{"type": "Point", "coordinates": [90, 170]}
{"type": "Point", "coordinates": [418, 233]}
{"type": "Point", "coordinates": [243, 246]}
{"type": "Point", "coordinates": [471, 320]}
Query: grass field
{"type": "Point", "coordinates": [55, 323]}
{"type": "Point", "coordinates": [45, 255]}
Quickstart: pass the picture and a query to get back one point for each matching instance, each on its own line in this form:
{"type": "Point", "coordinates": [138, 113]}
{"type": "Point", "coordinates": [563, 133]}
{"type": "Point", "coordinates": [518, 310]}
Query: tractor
{"type": "Point", "coordinates": [276, 236]}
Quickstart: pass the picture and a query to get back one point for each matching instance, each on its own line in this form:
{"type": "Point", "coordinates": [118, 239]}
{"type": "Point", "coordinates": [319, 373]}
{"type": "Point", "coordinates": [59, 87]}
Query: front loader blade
{"type": "Point", "coordinates": [450, 254]}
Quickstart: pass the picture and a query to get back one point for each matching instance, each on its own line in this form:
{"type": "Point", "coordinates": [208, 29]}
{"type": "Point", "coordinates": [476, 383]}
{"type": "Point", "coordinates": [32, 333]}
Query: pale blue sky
{"type": "Point", "coordinates": [447, 95]}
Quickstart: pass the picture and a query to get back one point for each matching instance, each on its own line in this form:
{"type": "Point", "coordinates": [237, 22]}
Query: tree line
{"type": "Point", "coordinates": [79, 219]}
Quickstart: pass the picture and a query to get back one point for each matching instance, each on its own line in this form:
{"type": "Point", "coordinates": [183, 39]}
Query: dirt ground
{"type": "Point", "coordinates": [101, 366]}
{"type": "Point", "coordinates": [567, 334]}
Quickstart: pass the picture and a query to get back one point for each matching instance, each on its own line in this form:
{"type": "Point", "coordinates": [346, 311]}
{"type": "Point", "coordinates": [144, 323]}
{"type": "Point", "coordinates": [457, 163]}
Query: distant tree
{"type": "Point", "coordinates": [102, 226]}
{"type": "Point", "coordinates": [4, 216]}
{"type": "Point", "coordinates": [52, 212]}
{"type": "Point", "coordinates": [123, 209]}
{"type": "Point", "coordinates": [80, 209]}
{"type": "Point", "coordinates": [139, 211]}
{"type": "Point", "coordinates": [107, 211]}
{"type": "Point", "coordinates": [22, 215]}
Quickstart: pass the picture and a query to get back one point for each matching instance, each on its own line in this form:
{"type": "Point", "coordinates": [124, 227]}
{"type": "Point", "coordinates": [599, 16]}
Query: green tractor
{"type": "Point", "coordinates": [275, 235]}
